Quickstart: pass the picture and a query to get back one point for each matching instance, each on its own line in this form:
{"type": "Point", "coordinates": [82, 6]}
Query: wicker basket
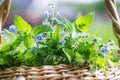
{"type": "Point", "coordinates": [58, 72]}
{"type": "Point", "coordinates": [67, 72]}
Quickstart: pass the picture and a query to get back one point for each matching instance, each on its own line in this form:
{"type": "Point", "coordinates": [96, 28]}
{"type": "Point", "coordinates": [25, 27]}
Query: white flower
{"type": "Point", "coordinates": [99, 39]}
{"type": "Point", "coordinates": [45, 23]}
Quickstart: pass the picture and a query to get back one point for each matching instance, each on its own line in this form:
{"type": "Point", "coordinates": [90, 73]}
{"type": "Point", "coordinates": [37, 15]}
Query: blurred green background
{"type": "Point", "coordinates": [32, 11]}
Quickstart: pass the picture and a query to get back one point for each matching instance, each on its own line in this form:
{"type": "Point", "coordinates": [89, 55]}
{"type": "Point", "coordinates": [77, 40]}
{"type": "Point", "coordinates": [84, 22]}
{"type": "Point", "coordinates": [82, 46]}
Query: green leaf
{"type": "Point", "coordinates": [50, 59]}
{"type": "Point", "coordinates": [22, 25]}
{"type": "Point", "coordinates": [66, 23]}
{"type": "Point", "coordinates": [41, 29]}
{"type": "Point", "coordinates": [56, 35]}
{"type": "Point", "coordinates": [69, 54]}
{"type": "Point", "coordinates": [1, 61]}
{"type": "Point", "coordinates": [11, 36]}
{"type": "Point", "coordinates": [18, 41]}
{"type": "Point", "coordinates": [19, 60]}
{"type": "Point", "coordinates": [6, 48]}
{"type": "Point", "coordinates": [28, 40]}
{"type": "Point", "coordinates": [92, 53]}
{"type": "Point", "coordinates": [83, 23]}
{"type": "Point", "coordinates": [12, 46]}
{"type": "Point", "coordinates": [8, 60]}
{"type": "Point", "coordinates": [28, 55]}
{"type": "Point", "coordinates": [43, 51]}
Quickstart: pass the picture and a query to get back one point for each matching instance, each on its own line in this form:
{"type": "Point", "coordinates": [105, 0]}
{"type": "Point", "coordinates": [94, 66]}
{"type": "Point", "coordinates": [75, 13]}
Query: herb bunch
{"type": "Point", "coordinates": [50, 43]}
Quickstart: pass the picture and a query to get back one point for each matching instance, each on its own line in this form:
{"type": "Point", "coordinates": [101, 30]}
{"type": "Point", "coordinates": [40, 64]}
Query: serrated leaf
{"type": "Point", "coordinates": [66, 23]}
{"type": "Point", "coordinates": [22, 25]}
{"type": "Point", "coordinates": [41, 29]}
{"type": "Point", "coordinates": [83, 23]}
{"type": "Point", "coordinates": [28, 40]}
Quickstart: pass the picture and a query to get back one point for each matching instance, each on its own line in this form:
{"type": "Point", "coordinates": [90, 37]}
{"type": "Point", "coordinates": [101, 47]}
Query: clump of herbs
{"type": "Point", "coordinates": [64, 42]}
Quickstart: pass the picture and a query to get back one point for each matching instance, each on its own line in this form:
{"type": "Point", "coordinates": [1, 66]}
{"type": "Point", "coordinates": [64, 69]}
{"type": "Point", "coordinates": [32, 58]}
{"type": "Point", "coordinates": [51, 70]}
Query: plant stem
{"type": "Point", "coordinates": [76, 44]}
{"type": "Point", "coordinates": [53, 14]}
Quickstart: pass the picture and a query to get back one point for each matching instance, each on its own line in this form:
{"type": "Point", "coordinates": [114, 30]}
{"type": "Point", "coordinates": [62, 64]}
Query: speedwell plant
{"type": "Point", "coordinates": [53, 43]}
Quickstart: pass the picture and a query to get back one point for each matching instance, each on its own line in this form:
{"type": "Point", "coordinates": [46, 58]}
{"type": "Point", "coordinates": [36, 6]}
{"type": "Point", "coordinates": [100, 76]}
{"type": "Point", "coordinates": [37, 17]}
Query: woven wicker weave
{"type": "Point", "coordinates": [59, 72]}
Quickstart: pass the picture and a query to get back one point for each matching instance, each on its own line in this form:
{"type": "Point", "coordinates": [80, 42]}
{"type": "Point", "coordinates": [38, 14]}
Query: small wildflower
{"type": "Point", "coordinates": [105, 49]}
{"type": "Point", "coordinates": [46, 14]}
{"type": "Point", "coordinates": [62, 43]}
{"type": "Point", "coordinates": [45, 23]}
{"type": "Point", "coordinates": [84, 35]}
{"type": "Point", "coordinates": [99, 39]}
{"type": "Point", "coordinates": [12, 28]}
{"type": "Point", "coordinates": [39, 38]}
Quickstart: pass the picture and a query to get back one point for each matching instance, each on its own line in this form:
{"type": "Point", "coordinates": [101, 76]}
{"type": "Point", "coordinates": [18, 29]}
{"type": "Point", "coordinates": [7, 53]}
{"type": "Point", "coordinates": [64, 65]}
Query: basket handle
{"type": "Point", "coordinates": [111, 9]}
{"type": "Point", "coordinates": [4, 10]}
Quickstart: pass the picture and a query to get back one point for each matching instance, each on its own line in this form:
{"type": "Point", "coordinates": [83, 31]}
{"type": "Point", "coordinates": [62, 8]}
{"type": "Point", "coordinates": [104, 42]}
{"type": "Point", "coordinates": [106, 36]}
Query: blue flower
{"type": "Point", "coordinates": [12, 28]}
{"type": "Point", "coordinates": [39, 38]}
{"type": "Point", "coordinates": [46, 14]}
{"type": "Point", "coordinates": [105, 49]}
{"type": "Point", "coordinates": [45, 23]}
{"type": "Point", "coordinates": [63, 34]}
{"type": "Point", "coordinates": [62, 43]}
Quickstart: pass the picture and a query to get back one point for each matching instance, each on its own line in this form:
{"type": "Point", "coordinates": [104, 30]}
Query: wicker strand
{"type": "Point", "coordinates": [1, 16]}
{"type": "Point", "coordinates": [58, 72]}
{"type": "Point", "coordinates": [111, 9]}
{"type": "Point", "coordinates": [4, 11]}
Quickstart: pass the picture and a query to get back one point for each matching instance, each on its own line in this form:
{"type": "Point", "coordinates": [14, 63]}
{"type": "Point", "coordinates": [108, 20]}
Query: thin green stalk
{"type": "Point", "coordinates": [53, 12]}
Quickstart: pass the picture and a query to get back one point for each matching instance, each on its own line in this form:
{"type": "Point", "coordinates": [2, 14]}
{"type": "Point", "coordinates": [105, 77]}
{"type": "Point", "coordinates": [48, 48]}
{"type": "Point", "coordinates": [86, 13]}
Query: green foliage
{"type": "Point", "coordinates": [21, 24]}
{"type": "Point", "coordinates": [56, 35]}
{"type": "Point", "coordinates": [52, 45]}
{"type": "Point", "coordinates": [69, 54]}
{"type": "Point", "coordinates": [41, 29]}
{"type": "Point", "coordinates": [66, 23]}
{"type": "Point", "coordinates": [83, 23]}
{"type": "Point", "coordinates": [28, 40]}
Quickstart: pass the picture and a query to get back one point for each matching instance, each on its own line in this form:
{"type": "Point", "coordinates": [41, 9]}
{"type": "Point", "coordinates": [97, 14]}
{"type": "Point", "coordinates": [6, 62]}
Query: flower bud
{"type": "Point", "coordinates": [12, 28]}
{"type": "Point", "coordinates": [46, 14]}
